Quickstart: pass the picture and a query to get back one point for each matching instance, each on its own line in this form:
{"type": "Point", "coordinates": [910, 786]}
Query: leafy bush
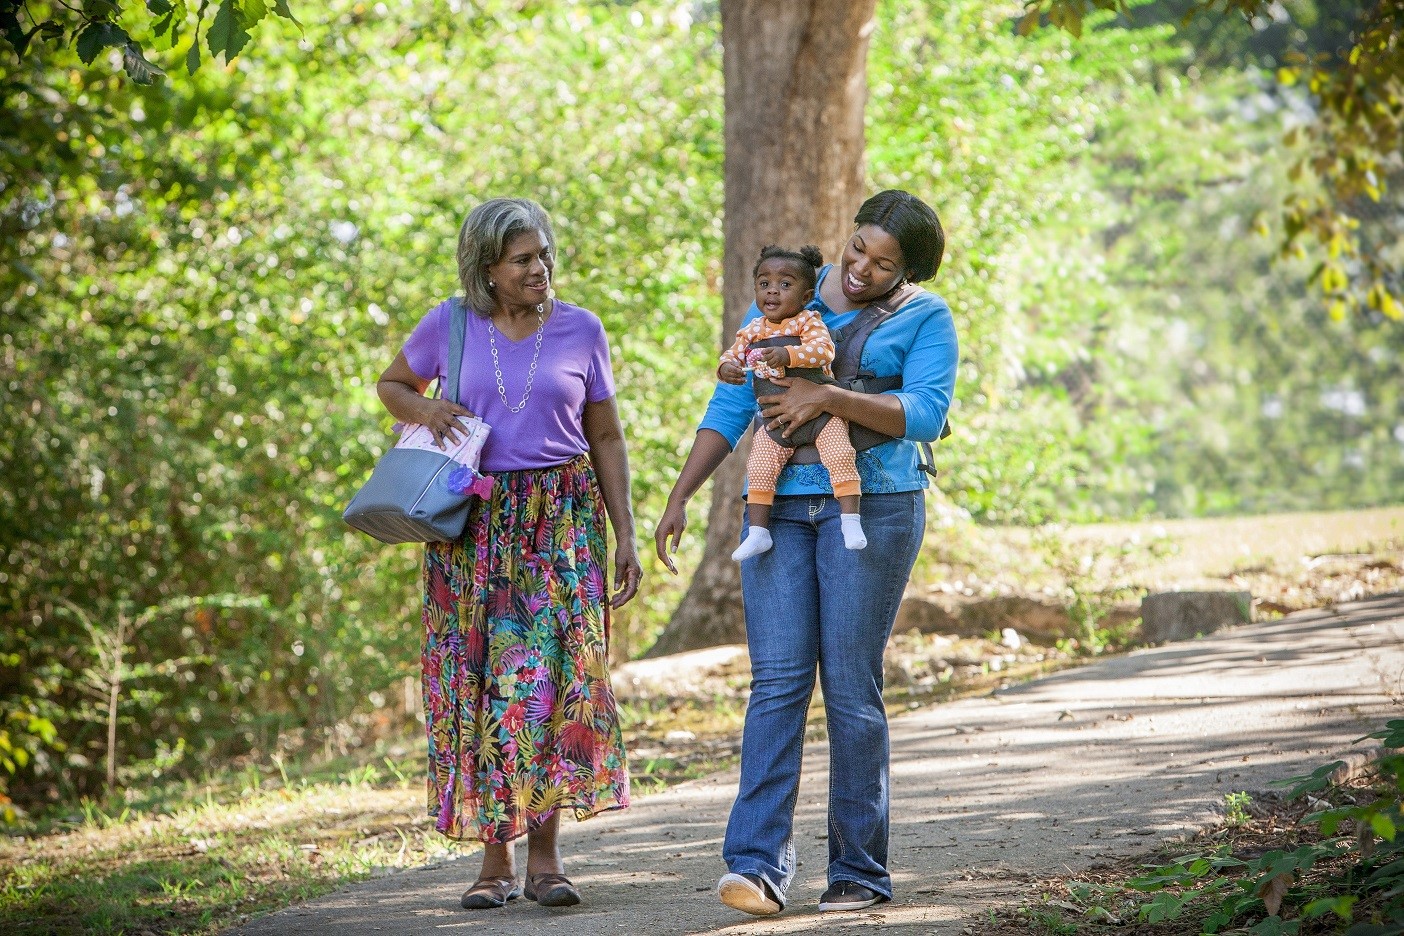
{"type": "Point", "coordinates": [1352, 871]}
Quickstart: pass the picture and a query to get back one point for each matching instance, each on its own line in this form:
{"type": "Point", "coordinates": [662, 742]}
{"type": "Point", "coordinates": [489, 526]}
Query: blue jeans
{"type": "Point", "coordinates": [809, 601]}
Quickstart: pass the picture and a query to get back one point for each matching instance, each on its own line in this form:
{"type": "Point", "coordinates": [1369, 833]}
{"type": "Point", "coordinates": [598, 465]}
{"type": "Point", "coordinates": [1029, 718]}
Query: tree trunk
{"type": "Point", "coordinates": [796, 84]}
{"type": "Point", "coordinates": [114, 695]}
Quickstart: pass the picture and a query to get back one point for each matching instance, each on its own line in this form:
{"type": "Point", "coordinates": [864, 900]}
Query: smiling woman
{"type": "Point", "coordinates": [815, 601]}
{"type": "Point", "coordinates": [521, 717]}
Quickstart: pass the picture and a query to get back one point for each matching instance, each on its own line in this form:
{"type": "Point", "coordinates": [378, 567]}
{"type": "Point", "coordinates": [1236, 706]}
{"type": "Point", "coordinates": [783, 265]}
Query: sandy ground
{"type": "Point", "coordinates": [1210, 549]}
{"type": "Point", "coordinates": [988, 794]}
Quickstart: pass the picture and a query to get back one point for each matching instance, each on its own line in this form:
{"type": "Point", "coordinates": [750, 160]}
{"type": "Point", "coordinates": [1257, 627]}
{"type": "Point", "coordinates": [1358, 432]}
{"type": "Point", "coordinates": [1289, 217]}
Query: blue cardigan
{"type": "Point", "coordinates": [919, 342]}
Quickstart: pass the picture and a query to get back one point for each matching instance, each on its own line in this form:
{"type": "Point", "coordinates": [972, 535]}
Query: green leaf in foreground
{"type": "Point", "coordinates": [97, 36]}
{"type": "Point", "coordinates": [136, 65]}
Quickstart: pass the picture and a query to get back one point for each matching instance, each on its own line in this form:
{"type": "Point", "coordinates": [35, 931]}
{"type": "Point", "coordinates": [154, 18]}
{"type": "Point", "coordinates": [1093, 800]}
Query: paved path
{"type": "Point", "coordinates": [988, 794]}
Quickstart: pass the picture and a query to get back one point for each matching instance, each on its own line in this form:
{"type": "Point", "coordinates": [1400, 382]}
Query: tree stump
{"type": "Point", "coordinates": [1026, 615]}
{"type": "Point", "coordinates": [1182, 615]}
{"type": "Point", "coordinates": [924, 616]}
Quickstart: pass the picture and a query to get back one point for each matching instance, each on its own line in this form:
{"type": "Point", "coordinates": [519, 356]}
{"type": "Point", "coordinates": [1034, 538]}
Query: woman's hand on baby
{"type": "Point", "coordinates": [730, 373]}
{"type": "Point", "coordinates": [440, 417]}
{"type": "Point", "coordinates": [802, 401]}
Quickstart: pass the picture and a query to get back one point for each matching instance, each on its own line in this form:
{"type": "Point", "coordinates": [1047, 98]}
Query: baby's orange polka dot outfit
{"type": "Point", "coordinates": [816, 349]}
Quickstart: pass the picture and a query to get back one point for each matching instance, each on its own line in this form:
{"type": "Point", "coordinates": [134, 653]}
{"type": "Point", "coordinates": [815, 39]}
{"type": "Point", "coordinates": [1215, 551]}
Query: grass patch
{"type": "Point", "coordinates": [202, 866]}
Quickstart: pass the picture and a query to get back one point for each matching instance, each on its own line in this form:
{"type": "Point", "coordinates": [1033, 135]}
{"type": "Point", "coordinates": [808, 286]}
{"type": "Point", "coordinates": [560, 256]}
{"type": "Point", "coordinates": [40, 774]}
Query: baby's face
{"type": "Point", "coordinates": [780, 292]}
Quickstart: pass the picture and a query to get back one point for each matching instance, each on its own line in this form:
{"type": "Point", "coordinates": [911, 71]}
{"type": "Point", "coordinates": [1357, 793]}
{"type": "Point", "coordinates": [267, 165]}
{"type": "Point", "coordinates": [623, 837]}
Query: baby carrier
{"type": "Point", "coordinates": [849, 374]}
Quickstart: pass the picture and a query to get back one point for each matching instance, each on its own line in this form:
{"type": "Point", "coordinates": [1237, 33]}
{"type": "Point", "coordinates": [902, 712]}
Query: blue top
{"type": "Point", "coordinates": [919, 342]}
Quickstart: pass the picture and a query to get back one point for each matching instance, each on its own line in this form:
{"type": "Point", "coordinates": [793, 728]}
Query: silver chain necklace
{"type": "Point", "coordinates": [531, 372]}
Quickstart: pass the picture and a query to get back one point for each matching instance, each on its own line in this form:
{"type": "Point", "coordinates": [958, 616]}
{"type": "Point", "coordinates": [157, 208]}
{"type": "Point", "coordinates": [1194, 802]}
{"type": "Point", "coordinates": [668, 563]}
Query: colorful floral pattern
{"type": "Point", "coordinates": [521, 716]}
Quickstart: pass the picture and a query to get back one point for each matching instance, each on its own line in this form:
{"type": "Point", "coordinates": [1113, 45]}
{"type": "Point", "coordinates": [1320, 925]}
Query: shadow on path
{"type": "Point", "coordinates": [988, 794]}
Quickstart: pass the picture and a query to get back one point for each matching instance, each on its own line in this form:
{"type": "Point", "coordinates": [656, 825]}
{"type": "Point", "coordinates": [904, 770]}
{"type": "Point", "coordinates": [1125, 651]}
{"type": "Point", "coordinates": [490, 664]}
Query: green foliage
{"type": "Point", "coordinates": [1351, 148]}
{"type": "Point", "coordinates": [196, 316]}
{"type": "Point", "coordinates": [1236, 807]}
{"type": "Point", "coordinates": [23, 737]}
{"type": "Point", "coordinates": [94, 26]}
{"type": "Point", "coordinates": [1084, 569]}
{"type": "Point", "coordinates": [1363, 858]}
{"type": "Point", "coordinates": [197, 866]}
{"type": "Point", "coordinates": [1225, 386]}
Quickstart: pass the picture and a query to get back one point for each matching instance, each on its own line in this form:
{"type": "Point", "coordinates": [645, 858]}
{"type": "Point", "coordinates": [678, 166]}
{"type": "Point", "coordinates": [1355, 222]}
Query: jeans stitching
{"type": "Point", "coordinates": [834, 826]}
{"type": "Point", "coordinates": [895, 599]}
{"type": "Point", "coordinates": [787, 850]}
{"type": "Point", "coordinates": [889, 613]}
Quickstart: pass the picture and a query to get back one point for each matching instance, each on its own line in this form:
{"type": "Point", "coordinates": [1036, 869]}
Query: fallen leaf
{"type": "Point", "coordinates": [1273, 891]}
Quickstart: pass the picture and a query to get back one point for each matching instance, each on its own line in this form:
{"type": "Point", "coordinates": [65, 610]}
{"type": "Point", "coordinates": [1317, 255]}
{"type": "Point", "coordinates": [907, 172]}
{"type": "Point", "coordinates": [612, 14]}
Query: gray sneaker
{"type": "Point", "coordinates": [848, 895]}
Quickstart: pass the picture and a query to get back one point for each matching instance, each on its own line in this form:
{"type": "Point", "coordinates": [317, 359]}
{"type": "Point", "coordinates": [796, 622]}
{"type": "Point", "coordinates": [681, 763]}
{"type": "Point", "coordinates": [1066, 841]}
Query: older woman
{"type": "Point", "coordinates": [521, 718]}
{"type": "Point", "coordinates": [839, 604]}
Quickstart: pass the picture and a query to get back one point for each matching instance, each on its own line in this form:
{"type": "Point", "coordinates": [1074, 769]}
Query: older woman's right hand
{"type": "Point", "coordinates": [440, 417]}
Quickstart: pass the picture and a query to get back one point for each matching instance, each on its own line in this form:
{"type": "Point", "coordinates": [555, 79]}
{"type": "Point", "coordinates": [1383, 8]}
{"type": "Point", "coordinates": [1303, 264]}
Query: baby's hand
{"type": "Point", "coordinates": [730, 372]}
{"type": "Point", "coordinates": [775, 357]}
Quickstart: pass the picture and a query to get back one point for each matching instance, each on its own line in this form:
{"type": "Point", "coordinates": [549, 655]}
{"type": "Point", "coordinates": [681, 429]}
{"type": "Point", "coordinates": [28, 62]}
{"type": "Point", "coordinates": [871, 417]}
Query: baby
{"type": "Point", "coordinates": [789, 336]}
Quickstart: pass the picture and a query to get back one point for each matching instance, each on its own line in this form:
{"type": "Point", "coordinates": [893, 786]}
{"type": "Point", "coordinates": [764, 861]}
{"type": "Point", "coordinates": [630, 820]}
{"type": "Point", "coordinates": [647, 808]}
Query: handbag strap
{"type": "Point", "coordinates": [458, 326]}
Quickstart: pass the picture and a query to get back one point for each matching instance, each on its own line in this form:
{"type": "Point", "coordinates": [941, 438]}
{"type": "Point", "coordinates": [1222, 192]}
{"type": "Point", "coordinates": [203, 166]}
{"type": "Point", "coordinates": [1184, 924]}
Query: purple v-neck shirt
{"type": "Point", "coordinates": [572, 369]}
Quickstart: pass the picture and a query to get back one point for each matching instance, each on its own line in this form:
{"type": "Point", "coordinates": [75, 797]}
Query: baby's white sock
{"type": "Point", "coordinates": [756, 542]}
{"type": "Point", "coordinates": [852, 526]}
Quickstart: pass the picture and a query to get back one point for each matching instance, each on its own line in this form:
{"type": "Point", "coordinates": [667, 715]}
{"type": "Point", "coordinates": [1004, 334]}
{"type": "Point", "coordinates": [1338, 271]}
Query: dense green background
{"type": "Point", "coordinates": [201, 280]}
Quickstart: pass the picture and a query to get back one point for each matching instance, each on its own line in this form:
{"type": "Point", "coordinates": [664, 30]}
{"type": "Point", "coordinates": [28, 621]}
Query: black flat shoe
{"type": "Point", "coordinates": [551, 890]}
{"type": "Point", "coordinates": [490, 892]}
{"type": "Point", "coordinates": [848, 895]}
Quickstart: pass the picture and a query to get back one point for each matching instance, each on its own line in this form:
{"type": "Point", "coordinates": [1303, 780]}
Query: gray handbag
{"type": "Point", "coordinates": [419, 493]}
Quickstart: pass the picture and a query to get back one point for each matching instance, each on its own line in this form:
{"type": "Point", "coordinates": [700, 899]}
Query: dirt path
{"type": "Point", "coordinates": [1098, 762]}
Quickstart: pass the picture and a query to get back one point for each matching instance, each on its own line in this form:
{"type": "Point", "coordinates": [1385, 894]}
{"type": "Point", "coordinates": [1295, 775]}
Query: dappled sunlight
{"type": "Point", "coordinates": [989, 793]}
{"type": "Point", "coordinates": [219, 224]}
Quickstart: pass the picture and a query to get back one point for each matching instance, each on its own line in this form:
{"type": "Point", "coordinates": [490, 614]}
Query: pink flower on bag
{"type": "Point", "coordinates": [464, 480]}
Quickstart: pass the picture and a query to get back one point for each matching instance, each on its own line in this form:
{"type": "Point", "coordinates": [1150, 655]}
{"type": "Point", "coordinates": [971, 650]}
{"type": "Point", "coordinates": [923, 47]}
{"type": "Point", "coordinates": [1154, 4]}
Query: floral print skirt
{"type": "Point", "coordinates": [520, 713]}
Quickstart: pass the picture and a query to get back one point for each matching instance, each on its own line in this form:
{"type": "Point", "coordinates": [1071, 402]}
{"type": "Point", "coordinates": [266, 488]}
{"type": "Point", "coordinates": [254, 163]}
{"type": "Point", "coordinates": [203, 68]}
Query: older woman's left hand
{"type": "Point", "coordinates": [801, 402]}
{"type": "Point", "coordinates": [627, 574]}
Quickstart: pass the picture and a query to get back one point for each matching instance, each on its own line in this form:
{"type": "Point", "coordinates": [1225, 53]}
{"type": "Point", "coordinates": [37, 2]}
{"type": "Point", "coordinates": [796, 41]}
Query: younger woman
{"type": "Point", "coordinates": [838, 606]}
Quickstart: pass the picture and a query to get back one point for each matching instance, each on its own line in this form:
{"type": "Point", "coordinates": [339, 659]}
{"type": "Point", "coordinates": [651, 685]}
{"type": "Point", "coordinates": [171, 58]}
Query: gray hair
{"type": "Point", "coordinates": [484, 236]}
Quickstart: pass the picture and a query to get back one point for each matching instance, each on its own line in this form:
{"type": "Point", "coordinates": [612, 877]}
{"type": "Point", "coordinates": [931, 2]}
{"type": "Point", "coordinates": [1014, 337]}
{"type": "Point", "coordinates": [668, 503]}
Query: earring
{"type": "Point", "coordinates": [491, 285]}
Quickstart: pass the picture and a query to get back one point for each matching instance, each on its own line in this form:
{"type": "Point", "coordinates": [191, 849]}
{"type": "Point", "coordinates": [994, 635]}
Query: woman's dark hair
{"type": "Point", "coordinates": [807, 260]}
{"type": "Point", "coordinates": [915, 226]}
